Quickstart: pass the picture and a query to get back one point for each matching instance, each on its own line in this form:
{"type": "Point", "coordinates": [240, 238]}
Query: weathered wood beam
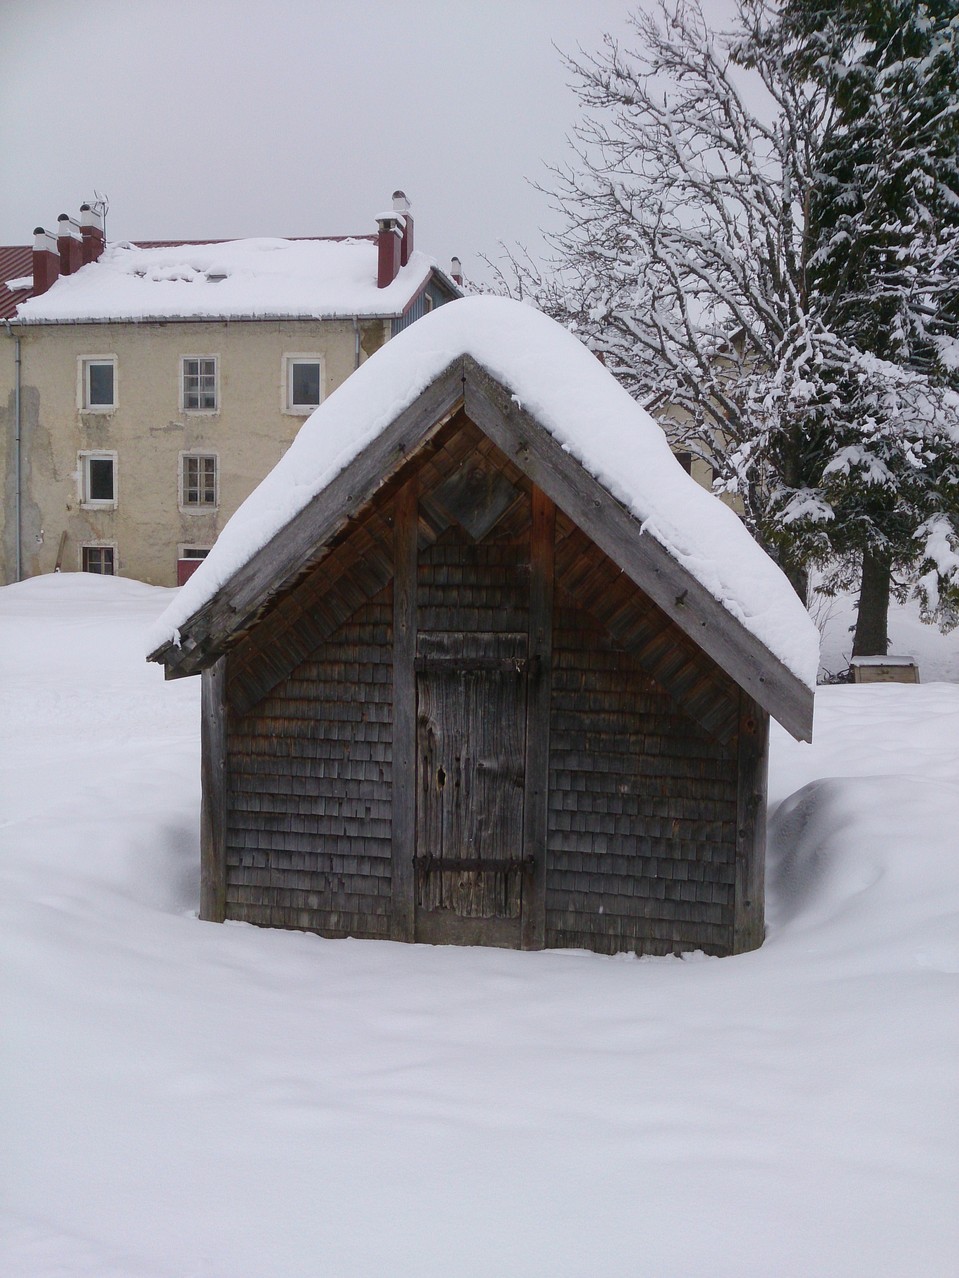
{"type": "Point", "coordinates": [749, 899]}
{"type": "Point", "coordinates": [584, 499]}
{"type": "Point", "coordinates": [402, 924]}
{"type": "Point", "coordinates": [213, 778]}
{"type": "Point", "coordinates": [535, 812]}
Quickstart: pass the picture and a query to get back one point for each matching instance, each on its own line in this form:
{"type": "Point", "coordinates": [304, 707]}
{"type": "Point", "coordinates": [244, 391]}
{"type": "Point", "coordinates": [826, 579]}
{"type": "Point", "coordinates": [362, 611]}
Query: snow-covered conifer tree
{"type": "Point", "coordinates": [884, 278]}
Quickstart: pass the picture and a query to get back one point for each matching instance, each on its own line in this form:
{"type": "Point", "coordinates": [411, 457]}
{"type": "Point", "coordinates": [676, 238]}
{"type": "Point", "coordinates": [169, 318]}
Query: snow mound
{"type": "Point", "coordinates": [852, 864]}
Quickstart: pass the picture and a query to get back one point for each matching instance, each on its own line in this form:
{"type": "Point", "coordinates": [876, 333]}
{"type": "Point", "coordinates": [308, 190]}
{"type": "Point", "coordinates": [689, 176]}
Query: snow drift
{"type": "Point", "coordinates": [184, 1098]}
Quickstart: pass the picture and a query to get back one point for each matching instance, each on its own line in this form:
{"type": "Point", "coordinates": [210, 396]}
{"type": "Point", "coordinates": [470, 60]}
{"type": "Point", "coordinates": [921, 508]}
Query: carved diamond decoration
{"type": "Point", "coordinates": [474, 498]}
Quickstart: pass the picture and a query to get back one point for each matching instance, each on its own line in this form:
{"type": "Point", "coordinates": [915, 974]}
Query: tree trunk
{"type": "Point", "coordinates": [798, 578]}
{"type": "Point", "coordinates": [871, 639]}
{"type": "Point", "coordinates": [792, 466]}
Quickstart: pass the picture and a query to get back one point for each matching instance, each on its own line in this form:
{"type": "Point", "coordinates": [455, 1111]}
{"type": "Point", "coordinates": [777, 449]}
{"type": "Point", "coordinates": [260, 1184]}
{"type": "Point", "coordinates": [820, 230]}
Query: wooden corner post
{"type": "Point", "coordinates": [403, 921]}
{"type": "Point", "coordinates": [213, 804]}
{"type": "Point", "coordinates": [535, 813]}
{"type": "Point", "coordinates": [749, 920]}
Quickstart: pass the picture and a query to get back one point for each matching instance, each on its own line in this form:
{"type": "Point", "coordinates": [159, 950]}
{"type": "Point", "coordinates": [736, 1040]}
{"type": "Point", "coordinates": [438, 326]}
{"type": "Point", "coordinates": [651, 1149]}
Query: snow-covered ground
{"type": "Point", "coordinates": [182, 1100]}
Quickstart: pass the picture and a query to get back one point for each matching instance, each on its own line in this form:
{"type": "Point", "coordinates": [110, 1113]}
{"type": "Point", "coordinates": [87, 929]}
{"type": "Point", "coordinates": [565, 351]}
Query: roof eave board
{"type": "Point", "coordinates": [209, 632]}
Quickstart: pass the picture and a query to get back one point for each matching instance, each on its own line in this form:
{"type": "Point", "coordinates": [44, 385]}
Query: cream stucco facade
{"type": "Point", "coordinates": [676, 422]}
{"type": "Point", "coordinates": [156, 507]}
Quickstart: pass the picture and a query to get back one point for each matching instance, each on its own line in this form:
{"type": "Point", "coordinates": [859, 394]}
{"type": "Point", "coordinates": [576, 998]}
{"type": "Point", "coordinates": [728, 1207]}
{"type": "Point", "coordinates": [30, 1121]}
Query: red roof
{"type": "Point", "coordinates": [16, 260]}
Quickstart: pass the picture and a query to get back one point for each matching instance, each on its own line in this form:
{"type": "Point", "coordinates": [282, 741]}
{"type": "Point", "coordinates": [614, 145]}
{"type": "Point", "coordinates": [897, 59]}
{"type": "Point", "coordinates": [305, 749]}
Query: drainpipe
{"type": "Point", "coordinates": [16, 449]}
{"type": "Point", "coordinates": [356, 343]}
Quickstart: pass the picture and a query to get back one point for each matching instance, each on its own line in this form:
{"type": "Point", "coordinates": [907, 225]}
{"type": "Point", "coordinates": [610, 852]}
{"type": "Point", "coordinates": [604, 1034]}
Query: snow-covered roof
{"type": "Point", "coordinates": [561, 385]}
{"type": "Point", "coordinates": [231, 279]}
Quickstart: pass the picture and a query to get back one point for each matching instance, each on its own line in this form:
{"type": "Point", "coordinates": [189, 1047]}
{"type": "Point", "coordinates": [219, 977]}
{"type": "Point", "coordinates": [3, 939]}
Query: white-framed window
{"type": "Point", "coordinates": [98, 383]}
{"type": "Point", "coordinates": [98, 480]}
{"type": "Point", "coordinates": [99, 557]}
{"type": "Point", "coordinates": [198, 481]}
{"type": "Point", "coordinates": [302, 383]}
{"type": "Point", "coordinates": [199, 392]}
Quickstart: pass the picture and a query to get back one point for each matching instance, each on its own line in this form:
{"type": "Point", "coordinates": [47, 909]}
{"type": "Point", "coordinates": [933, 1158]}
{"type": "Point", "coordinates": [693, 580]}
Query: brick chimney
{"type": "Point", "coordinates": [389, 244]}
{"type": "Point", "coordinates": [456, 271]}
{"type": "Point", "coordinates": [91, 234]}
{"type": "Point", "coordinates": [46, 260]}
{"type": "Point", "coordinates": [68, 244]}
{"type": "Point", "coordinates": [401, 207]}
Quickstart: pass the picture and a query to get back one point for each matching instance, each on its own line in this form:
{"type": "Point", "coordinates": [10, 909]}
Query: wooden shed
{"type": "Point", "coordinates": [461, 696]}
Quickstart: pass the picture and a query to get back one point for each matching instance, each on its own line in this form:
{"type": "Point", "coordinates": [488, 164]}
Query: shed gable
{"type": "Point", "coordinates": [490, 494]}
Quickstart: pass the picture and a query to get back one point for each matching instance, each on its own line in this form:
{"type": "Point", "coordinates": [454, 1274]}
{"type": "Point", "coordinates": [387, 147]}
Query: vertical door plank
{"type": "Point", "coordinates": [496, 719]}
{"type": "Point", "coordinates": [435, 783]}
{"type": "Point", "coordinates": [471, 729]}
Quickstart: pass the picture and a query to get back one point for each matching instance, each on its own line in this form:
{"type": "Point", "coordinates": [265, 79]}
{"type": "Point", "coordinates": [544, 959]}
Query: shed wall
{"type": "Point", "coordinates": [310, 788]}
{"type": "Point", "coordinates": [641, 844]}
{"type": "Point", "coordinates": [641, 834]}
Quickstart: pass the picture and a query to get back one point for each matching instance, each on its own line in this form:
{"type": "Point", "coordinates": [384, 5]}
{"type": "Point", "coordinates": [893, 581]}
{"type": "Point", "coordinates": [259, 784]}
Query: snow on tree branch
{"type": "Point", "coordinates": [761, 237]}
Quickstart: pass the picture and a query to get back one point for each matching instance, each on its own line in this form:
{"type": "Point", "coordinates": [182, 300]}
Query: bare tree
{"type": "Point", "coordinates": [689, 259]}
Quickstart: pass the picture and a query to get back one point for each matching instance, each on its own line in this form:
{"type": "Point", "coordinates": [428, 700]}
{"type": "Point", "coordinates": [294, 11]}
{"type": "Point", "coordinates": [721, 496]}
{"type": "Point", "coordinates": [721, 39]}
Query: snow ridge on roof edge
{"type": "Point", "coordinates": [557, 380]}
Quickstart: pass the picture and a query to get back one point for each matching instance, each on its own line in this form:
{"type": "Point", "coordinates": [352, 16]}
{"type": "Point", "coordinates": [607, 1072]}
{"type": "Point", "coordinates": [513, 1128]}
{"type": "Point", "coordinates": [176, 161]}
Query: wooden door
{"type": "Point", "coordinates": [470, 874]}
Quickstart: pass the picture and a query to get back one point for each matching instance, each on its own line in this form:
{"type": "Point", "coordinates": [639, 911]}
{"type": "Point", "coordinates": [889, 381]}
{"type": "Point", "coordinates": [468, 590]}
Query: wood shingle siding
{"type": "Point", "coordinates": [310, 788]}
{"type": "Point", "coordinates": [642, 810]}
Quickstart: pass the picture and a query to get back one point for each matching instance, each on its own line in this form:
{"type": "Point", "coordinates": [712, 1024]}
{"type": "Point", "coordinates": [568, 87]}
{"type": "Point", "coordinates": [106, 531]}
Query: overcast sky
{"type": "Point", "coordinates": [211, 119]}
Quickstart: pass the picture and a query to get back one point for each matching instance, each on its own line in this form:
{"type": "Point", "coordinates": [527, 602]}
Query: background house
{"type": "Point", "coordinates": [482, 665]}
{"type": "Point", "coordinates": [146, 389]}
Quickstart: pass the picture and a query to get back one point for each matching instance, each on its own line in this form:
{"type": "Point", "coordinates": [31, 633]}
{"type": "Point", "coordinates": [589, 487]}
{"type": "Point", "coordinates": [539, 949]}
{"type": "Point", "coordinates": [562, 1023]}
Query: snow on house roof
{"type": "Point", "coordinates": [231, 279]}
{"type": "Point", "coordinates": [565, 388]}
